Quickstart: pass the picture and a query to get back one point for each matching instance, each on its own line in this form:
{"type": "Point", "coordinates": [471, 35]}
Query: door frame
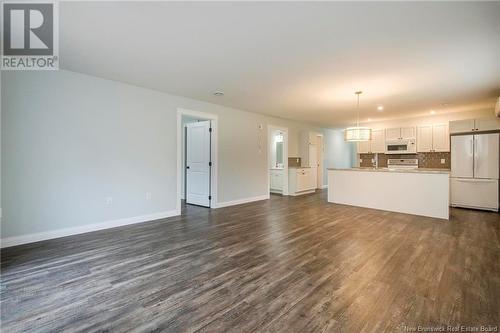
{"type": "Point", "coordinates": [270, 129]}
{"type": "Point", "coordinates": [321, 165]}
{"type": "Point", "coordinates": [213, 152]}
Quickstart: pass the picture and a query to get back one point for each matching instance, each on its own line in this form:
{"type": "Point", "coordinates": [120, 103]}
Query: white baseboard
{"type": "Point", "coordinates": [324, 186]}
{"type": "Point", "coordinates": [30, 238]}
{"type": "Point", "coordinates": [241, 201]}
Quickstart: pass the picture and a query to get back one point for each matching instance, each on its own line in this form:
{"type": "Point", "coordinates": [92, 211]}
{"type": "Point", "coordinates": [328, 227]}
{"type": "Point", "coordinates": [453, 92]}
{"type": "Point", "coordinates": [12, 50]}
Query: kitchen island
{"type": "Point", "coordinates": [413, 191]}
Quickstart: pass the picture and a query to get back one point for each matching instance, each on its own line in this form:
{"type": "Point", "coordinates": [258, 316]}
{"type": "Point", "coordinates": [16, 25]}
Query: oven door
{"type": "Point", "coordinates": [400, 147]}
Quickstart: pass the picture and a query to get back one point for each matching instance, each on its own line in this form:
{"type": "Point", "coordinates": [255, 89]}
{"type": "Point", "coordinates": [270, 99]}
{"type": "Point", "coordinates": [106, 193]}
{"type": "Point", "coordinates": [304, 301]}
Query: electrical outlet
{"type": "Point", "coordinates": [443, 161]}
{"type": "Point", "coordinates": [148, 195]}
{"type": "Point", "coordinates": [109, 200]}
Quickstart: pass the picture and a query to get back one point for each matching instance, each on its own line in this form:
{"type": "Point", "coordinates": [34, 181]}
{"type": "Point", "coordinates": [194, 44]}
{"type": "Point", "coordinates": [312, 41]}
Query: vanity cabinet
{"type": "Point", "coordinates": [474, 125]}
{"type": "Point", "coordinates": [301, 180]}
{"type": "Point", "coordinates": [433, 138]}
{"type": "Point", "coordinates": [276, 180]}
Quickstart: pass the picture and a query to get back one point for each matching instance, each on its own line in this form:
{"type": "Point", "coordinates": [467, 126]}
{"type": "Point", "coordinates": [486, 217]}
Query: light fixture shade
{"type": "Point", "coordinates": [357, 134]}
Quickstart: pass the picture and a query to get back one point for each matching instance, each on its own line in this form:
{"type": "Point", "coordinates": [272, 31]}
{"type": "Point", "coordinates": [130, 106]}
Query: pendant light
{"type": "Point", "coordinates": [357, 133]}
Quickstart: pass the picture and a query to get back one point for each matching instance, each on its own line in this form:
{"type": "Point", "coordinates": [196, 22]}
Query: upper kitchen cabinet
{"type": "Point", "coordinates": [400, 133]}
{"type": "Point", "coordinates": [393, 134]}
{"type": "Point", "coordinates": [474, 125]}
{"type": "Point", "coordinates": [408, 133]}
{"type": "Point", "coordinates": [433, 138]}
{"type": "Point", "coordinates": [424, 138]}
{"type": "Point", "coordinates": [489, 124]}
{"type": "Point", "coordinates": [378, 141]}
{"type": "Point", "coordinates": [440, 138]}
{"type": "Point", "coordinates": [364, 147]}
{"type": "Point", "coordinates": [375, 145]}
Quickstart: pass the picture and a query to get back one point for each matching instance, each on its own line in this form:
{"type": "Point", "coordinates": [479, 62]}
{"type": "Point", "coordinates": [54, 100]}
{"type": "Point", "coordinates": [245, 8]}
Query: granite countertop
{"type": "Point", "coordinates": [419, 170]}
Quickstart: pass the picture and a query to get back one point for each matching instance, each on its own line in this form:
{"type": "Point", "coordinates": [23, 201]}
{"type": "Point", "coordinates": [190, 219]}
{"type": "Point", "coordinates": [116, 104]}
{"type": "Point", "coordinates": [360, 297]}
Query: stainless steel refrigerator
{"type": "Point", "coordinates": [475, 171]}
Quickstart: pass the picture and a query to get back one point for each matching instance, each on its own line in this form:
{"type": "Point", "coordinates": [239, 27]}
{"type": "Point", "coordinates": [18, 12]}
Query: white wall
{"type": "Point", "coordinates": [70, 140]}
{"type": "Point", "coordinates": [338, 153]}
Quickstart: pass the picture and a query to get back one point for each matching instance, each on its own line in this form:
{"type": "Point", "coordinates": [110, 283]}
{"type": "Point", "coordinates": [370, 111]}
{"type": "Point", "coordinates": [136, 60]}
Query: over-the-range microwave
{"type": "Point", "coordinates": [403, 146]}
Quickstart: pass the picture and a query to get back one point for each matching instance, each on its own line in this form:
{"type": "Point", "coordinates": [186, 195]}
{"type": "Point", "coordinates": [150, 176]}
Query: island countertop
{"type": "Point", "coordinates": [417, 170]}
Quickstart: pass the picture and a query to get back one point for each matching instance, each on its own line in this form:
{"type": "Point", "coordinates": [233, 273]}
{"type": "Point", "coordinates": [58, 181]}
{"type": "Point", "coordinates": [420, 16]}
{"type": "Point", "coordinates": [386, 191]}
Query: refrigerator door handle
{"type": "Point", "coordinates": [475, 180]}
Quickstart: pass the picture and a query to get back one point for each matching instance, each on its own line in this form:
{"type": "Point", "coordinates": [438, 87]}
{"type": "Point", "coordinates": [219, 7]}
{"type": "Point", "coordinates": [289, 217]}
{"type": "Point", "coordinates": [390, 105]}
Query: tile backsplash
{"type": "Point", "coordinates": [294, 162]}
{"type": "Point", "coordinates": [425, 160]}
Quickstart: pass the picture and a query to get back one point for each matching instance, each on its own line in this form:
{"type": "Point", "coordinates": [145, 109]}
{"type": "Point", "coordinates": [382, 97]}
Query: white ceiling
{"type": "Point", "coordinates": [294, 60]}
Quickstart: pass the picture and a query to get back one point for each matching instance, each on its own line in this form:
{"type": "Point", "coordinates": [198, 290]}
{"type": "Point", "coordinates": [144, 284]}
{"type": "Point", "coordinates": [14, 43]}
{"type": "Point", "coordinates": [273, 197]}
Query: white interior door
{"type": "Point", "coordinates": [198, 163]}
{"type": "Point", "coordinates": [462, 156]}
{"type": "Point", "coordinates": [486, 156]}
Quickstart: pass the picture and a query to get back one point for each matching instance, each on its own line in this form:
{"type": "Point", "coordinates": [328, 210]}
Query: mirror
{"type": "Point", "coordinates": [278, 150]}
{"type": "Point", "coordinates": [279, 153]}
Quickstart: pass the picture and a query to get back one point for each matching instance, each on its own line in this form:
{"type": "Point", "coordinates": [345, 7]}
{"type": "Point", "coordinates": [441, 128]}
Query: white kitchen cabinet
{"type": "Point", "coordinates": [474, 125]}
{"type": "Point", "coordinates": [400, 133]}
{"type": "Point", "coordinates": [301, 180]}
{"type": "Point", "coordinates": [393, 134]}
{"type": "Point", "coordinates": [440, 138]}
{"type": "Point", "coordinates": [364, 147]}
{"type": "Point", "coordinates": [424, 139]}
{"type": "Point", "coordinates": [462, 126]}
{"type": "Point", "coordinates": [488, 124]}
{"type": "Point", "coordinates": [408, 133]}
{"type": "Point", "coordinates": [433, 138]}
{"type": "Point", "coordinates": [377, 144]}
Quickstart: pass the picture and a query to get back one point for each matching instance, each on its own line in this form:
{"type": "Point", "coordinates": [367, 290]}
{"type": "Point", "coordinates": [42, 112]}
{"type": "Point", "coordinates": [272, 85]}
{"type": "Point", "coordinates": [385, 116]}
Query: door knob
{"type": "Point", "coordinates": [187, 167]}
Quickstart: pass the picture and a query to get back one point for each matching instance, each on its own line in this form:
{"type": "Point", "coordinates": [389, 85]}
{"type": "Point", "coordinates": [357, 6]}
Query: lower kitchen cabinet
{"type": "Point", "coordinates": [302, 180]}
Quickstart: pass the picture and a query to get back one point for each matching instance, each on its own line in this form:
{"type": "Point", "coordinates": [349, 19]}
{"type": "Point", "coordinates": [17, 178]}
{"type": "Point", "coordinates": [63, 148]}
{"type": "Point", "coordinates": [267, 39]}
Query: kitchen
{"type": "Point", "coordinates": [424, 169]}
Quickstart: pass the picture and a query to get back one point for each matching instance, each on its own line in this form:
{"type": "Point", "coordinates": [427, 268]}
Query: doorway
{"type": "Point", "coordinates": [196, 159]}
{"type": "Point", "coordinates": [277, 157]}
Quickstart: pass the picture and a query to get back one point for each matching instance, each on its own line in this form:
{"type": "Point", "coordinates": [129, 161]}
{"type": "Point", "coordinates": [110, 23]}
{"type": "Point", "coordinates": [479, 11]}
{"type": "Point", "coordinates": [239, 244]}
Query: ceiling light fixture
{"type": "Point", "coordinates": [432, 112]}
{"type": "Point", "coordinates": [380, 108]}
{"type": "Point", "coordinates": [218, 93]}
{"type": "Point", "coordinates": [357, 133]}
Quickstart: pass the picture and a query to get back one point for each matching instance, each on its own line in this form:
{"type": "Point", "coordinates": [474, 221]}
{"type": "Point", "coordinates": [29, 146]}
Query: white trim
{"type": "Point", "coordinates": [30, 238]}
{"type": "Point", "coordinates": [215, 165]}
{"type": "Point", "coordinates": [242, 201]}
{"type": "Point", "coordinates": [296, 194]}
{"type": "Point", "coordinates": [324, 186]}
{"type": "Point", "coordinates": [270, 128]}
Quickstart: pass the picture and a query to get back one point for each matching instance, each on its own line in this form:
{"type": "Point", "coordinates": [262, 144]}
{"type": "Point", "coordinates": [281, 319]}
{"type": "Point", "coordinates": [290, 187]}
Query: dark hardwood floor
{"type": "Point", "coordinates": [289, 264]}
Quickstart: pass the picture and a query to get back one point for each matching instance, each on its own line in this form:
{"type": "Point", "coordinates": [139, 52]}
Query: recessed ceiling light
{"type": "Point", "coordinates": [432, 112]}
{"type": "Point", "coordinates": [369, 119]}
{"type": "Point", "coordinates": [218, 93]}
{"type": "Point", "coordinates": [380, 108]}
